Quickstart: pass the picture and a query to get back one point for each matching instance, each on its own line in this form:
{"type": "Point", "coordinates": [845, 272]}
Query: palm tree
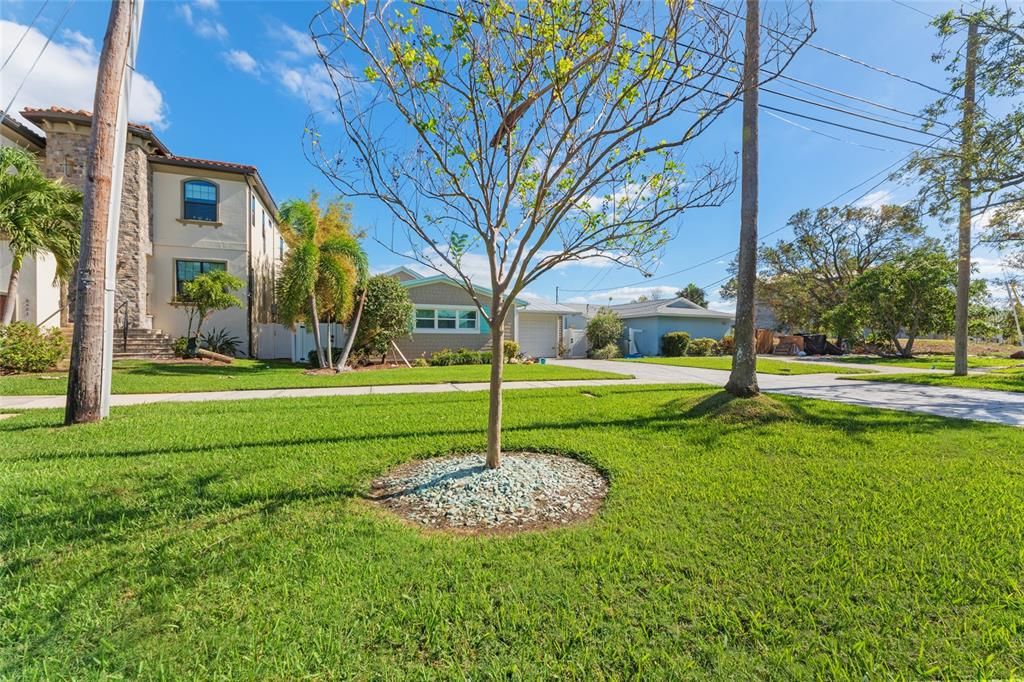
{"type": "Point", "coordinates": [324, 266]}
{"type": "Point", "coordinates": [37, 215]}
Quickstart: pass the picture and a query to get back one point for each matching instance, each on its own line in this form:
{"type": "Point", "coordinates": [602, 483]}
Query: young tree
{"type": "Point", "coordinates": [37, 215]}
{"type": "Point", "coordinates": [693, 293]}
{"type": "Point", "coordinates": [323, 268]}
{"type": "Point", "coordinates": [911, 295]}
{"type": "Point", "coordinates": [206, 294]}
{"type": "Point", "coordinates": [986, 157]}
{"type": "Point", "coordinates": [387, 316]}
{"type": "Point", "coordinates": [524, 136]}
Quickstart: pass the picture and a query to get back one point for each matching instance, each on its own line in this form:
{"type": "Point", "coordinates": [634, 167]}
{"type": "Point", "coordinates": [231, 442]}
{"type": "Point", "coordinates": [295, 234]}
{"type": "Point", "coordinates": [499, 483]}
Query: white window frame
{"type": "Point", "coordinates": [475, 329]}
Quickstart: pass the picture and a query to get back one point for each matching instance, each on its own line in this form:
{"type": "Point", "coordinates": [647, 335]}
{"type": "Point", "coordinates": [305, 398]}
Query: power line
{"type": "Point", "coordinates": [914, 9]}
{"type": "Point", "coordinates": [831, 137]}
{"type": "Point", "coordinates": [872, 119]}
{"type": "Point", "coordinates": [4, 114]}
{"type": "Point", "coordinates": [28, 28]}
{"type": "Point", "coordinates": [848, 58]}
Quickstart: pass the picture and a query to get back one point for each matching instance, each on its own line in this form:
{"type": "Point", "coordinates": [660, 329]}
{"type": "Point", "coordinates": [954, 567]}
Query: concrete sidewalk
{"type": "Point", "coordinates": [979, 405]}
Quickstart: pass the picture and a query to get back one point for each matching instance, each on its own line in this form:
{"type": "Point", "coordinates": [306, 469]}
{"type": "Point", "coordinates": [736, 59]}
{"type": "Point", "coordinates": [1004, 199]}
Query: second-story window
{"type": "Point", "coordinates": [200, 200]}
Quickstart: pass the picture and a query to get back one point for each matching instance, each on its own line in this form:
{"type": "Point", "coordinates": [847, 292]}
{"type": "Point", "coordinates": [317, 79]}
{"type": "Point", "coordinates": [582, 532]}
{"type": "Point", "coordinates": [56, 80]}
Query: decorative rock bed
{"type": "Point", "coordinates": [459, 493]}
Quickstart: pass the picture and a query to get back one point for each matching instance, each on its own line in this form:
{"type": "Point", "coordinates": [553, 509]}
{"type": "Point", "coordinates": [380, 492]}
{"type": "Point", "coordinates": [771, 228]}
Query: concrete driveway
{"type": "Point", "coordinates": [979, 405]}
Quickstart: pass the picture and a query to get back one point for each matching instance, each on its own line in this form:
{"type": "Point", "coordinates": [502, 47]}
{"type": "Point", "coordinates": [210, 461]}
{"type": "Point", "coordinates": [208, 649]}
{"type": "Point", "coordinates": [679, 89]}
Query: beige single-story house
{"type": "Point", "coordinates": [445, 316]}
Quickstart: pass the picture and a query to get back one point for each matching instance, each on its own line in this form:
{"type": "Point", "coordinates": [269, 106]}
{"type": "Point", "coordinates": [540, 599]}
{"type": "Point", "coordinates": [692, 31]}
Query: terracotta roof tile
{"type": "Point", "coordinates": [74, 112]}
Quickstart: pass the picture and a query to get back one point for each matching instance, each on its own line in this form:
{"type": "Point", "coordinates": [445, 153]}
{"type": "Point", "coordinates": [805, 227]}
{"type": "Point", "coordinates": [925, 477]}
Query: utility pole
{"type": "Point", "coordinates": [743, 377]}
{"type": "Point", "coordinates": [963, 264]}
{"type": "Point", "coordinates": [556, 294]}
{"type": "Point", "coordinates": [92, 343]}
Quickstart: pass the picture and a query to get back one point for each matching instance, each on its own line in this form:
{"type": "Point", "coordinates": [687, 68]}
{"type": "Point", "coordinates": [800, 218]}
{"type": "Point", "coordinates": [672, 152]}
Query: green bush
{"type": "Point", "coordinates": [511, 350]}
{"type": "Point", "coordinates": [702, 347]}
{"type": "Point", "coordinates": [180, 346]}
{"type": "Point", "coordinates": [25, 348]}
{"type": "Point", "coordinates": [607, 352]}
{"type": "Point", "coordinates": [314, 362]}
{"type": "Point", "coordinates": [674, 344]}
{"type": "Point", "coordinates": [420, 362]}
{"type": "Point", "coordinates": [462, 356]}
{"type": "Point", "coordinates": [604, 328]}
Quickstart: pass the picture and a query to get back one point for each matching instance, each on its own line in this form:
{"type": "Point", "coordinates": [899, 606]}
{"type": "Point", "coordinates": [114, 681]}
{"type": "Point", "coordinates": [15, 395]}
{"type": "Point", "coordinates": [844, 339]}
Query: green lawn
{"type": "Point", "coordinates": [764, 365]}
{"type": "Point", "coordinates": [930, 361]}
{"type": "Point", "coordinates": [140, 376]}
{"type": "Point", "coordinates": [783, 538]}
{"type": "Point", "coordinates": [996, 380]}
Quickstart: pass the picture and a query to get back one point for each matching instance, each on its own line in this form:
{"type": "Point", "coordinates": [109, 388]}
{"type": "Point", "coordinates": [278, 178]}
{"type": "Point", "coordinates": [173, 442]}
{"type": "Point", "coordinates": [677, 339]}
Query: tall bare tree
{"type": "Point", "coordinates": [980, 170]}
{"type": "Point", "coordinates": [520, 137]}
{"type": "Point", "coordinates": [743, 377]}
{"type": "Point", "coordinates": [84, 379]}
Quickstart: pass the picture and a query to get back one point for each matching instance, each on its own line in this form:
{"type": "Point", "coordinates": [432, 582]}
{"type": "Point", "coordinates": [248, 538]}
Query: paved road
{"type": "Point", "coordinates": [979, 405]}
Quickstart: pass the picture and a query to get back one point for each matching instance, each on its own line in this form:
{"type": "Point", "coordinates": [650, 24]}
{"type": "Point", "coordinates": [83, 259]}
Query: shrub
{"type": "Point", "coordinates": [511, 350]}
{"type": "Point", "coordinates": [180, 346]}
{"type": "Point", "coordinates": [607, 352]}
{"type": "Point", "coordinates": [727, 345]}
{"type": "Point", "coordinates": [314, 362]}
{"type": "Point", "coordinates": [702, 347]}
{"type": "Point", "coordinates": [462, 356]}
{"type": "Point", "coordinates": [604, 328]}
{"type": "Point", "coordinates": [674, 344]}
{"type": "Point", "coordinates": [420, 362]}
{"type": "Point", "coordinates": [25, 348]}
{"type": "Point", "coordinates": [220, 341]}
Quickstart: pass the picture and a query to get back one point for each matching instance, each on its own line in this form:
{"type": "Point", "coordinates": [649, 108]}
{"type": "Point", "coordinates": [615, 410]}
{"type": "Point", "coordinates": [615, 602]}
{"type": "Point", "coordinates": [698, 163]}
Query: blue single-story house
{"type": "Point", "coordinates": [647, 322]}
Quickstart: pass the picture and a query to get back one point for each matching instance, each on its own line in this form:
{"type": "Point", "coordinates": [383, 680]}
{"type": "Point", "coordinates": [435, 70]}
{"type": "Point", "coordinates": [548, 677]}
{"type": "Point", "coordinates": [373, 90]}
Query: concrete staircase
{"type": "Point", "coordinates": [145, 344]}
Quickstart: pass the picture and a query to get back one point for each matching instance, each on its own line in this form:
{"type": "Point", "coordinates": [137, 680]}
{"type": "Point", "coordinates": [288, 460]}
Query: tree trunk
{"type": "Point", "coordinates": [497, 369]}
{"type": "Point", "coordinates": [343, 360]}
{"type": "Point", "coordinates": [316, 331]}
{"type": "Point", "coordinates": [11, 303]}
{"type": "Point", "coordinates": [86, 374]}
{"type": "Point", "coordinates": [327, 346]}
{"type": "Point", "coordinates": [963, 263]}
{"type": "Point", "coordinates": [908, 347]}
{"type": "Point", "coordinates": [743, 377]}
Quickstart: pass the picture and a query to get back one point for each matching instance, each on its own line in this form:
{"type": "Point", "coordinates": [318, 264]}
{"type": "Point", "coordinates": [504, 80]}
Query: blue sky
{"type": "Point", "coordinates": [235, 81]}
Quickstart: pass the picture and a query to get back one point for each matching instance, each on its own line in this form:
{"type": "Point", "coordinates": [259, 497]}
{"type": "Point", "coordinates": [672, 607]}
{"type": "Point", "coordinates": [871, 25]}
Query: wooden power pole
{"type": "Point", "coordinates": [743, 378]}
{"type": "Point", "coordinates": [85, 386]}
{"type": "Point", "coordinates": [963, 263]}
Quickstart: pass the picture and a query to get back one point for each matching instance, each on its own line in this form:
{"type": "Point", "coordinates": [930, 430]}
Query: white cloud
{"type": "Point", "coordinates": [208, 5]}
{"type": "Point", "coordinates": [310, 82]}
{"type": "Point", "coordinates": [66, 75]}
{"type": "Point", "coordinates": [301, 43]}
{"type": "Point", "coordinates": [875, 199]}
{"type": "Point", "coordinates": [242, 60]}
{"type": "Point", "coordinates": [203, 27]}
{"type": "Point", "coordinates": [626, 294]}
{"type": "Point", "coordinates": [77, 38]}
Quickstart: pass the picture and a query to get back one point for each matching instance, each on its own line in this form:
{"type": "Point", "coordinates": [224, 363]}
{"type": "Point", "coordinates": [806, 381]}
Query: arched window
{"type": "Point", "coordinates": [200, 200]}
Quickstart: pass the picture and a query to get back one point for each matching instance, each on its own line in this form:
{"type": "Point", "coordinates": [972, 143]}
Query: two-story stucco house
{"type": "Point", "coordinates": [180, 217]}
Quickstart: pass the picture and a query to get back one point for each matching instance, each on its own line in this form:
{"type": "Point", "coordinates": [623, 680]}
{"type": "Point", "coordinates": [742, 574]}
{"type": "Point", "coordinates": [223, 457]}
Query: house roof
{"type": "Point", "coordinates": [22, 129]}
{"type": "Point", "coordinates": [445, 279]}
{"type": "Point", "coordinates": [547, 307]}
{"type": "Point", "coordinates": [37, 116]}
{"type": "Point", "coordinates": [223, 166]}
{"type": "Point", "coordinates": [673, 307]}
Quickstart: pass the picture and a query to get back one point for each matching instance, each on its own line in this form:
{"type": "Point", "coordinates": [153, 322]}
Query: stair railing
{"type": "Point", "coordinates": [123, 309]}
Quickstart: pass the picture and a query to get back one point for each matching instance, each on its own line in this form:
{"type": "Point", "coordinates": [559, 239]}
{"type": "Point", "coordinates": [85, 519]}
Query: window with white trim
{"type": "Point", "coordinates": [447, 320]}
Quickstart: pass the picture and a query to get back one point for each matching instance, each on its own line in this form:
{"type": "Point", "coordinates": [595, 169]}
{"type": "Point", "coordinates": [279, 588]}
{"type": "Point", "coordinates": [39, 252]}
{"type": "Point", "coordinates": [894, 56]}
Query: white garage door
{"type": "Point", "coordinates": [538, 335]}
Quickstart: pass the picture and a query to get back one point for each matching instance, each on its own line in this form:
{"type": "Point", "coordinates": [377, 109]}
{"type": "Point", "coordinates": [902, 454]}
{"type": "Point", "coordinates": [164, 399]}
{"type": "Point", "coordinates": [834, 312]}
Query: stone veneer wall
{"type": "Point", "coordinates": [67, 150]}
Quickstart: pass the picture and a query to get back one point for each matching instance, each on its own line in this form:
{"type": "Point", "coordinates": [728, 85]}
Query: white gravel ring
{"type": "Point", "coordinates": [528, 491]}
